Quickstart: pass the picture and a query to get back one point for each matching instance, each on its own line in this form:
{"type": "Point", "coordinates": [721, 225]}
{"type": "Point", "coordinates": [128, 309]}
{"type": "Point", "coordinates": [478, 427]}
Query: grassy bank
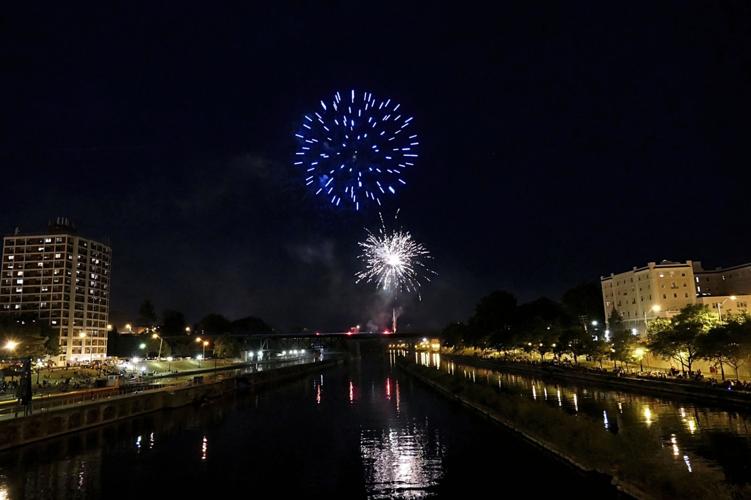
{"type": "Point", "coordinates": [634, 457]}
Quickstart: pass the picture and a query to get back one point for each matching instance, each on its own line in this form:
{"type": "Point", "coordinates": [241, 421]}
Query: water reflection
{"type": "Point", "coordinates": [396, 440]}
{"type": "Point", "coordinates": [717, 437]}
{"type": "Point", "coordinates": [401, 462]}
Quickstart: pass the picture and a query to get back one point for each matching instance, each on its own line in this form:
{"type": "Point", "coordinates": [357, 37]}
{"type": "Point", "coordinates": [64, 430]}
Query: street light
{"type": "Point", "coordinates": [187, 330]}
{"type": "Point", "coordinates": [205, 343]}
{"type": "Point", "coordinates": [720, 304]}
{"type": "Point", "coordinates": [155, 336]}
{"type": "Point", "coordinates": [10, 345]}
{"type": "Point", "coordinates": [129, 327]}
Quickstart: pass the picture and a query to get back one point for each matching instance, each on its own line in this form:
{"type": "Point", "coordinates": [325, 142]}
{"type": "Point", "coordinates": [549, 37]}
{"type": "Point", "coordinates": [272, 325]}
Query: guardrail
{"type": "Point", "coordinates": [48, 403]}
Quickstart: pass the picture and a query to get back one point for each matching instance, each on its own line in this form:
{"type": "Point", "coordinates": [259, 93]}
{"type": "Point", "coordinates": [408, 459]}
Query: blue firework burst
{"type": "Point", "coordinates": [355, 149]}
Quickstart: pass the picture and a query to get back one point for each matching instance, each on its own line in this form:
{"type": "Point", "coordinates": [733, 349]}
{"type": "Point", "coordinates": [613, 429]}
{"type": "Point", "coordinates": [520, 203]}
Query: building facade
{"type": "Point", "coordinates": [727, 305]}
{"type": "Point", "coordinates": [662, 290]}
{"type": "Point", "coordinates": [63, 279]}
{"type": "Point", "coordinates": [645, 293]}
{"type": "Point", "coordinates": [727, 281]}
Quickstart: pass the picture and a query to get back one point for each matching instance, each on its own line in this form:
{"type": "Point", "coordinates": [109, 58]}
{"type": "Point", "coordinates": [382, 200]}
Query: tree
{"type": "Point", "coordinates": [214, 324]}
{"type": "Point", "coordinates": [250, 325]}
{"type": "Point", "coordinates": [615, 321]}
{"type": "Point", "coordinates": [147, 314]}
{"type": "Point", "coordinates": [714, 346]}
{"type": "Point", "coordinates": [541, 336]}
{"type": "Point", "coordinates": [599, 350]}
{"type": "Point", "coordinates": [493, 317]}
{"type": "Point", "coordinates": [679, 339]}
{"type": "Point", "coordinates": [740, 342]}
{"type": "Point", "coordinates": [584, 301]}
{"type": "Point", "coordinates": [539, 325]}
{"type": "Point", "coordinates": [35, 337]}
{"type": "Point", "coordinates": [727, 343]}
{"type": "Point", "coordinates": [455, 334]}
{"type": "Point", "coordinates": [173, 322]}
{"type": "Point", "coordinates": [226, 347]}
{"type": "Point", "coordinates": [574, 340]}
{"type": "Point", "coordinates": [624, 343]}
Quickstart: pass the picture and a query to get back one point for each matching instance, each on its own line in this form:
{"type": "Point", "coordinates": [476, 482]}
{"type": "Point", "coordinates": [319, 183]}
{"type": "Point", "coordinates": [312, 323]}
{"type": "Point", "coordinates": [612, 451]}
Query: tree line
{"type": "Point", "coordinates": [575, 327]}
{"type": "Point", "coordinates": [176, 336]}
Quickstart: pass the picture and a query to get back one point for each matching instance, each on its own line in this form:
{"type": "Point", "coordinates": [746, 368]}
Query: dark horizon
{"type": "Point", "coordinates": [557, 145]}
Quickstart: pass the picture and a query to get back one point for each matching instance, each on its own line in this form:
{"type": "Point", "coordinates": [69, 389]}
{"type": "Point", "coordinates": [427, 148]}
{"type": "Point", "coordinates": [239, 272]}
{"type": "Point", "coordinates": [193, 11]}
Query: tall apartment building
{"type": "Point", "coordinates": [63, 279]}
{"type": "Point", "coordinates": [662, 290]}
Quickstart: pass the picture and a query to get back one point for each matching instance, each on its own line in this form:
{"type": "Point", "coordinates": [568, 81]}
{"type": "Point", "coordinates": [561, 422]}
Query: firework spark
{"type": "Point", "coordinates": [356, 149]}
{"type": "Point", "coordinates": [394, 261]}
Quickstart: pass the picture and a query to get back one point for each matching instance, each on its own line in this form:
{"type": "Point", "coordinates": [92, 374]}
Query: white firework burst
{"type": "Point", "coordinates": [394, 261]}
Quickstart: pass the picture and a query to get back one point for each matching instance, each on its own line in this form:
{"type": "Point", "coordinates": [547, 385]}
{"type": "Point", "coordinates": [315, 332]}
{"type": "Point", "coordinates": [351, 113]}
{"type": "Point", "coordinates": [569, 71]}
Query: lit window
{"type": "Point", "coordinates": [20, 273]}
{"type": "Point", "coordinates": [19, 282]}
{"type": "Point", "coordinates": [19, 290]}
{"type": "Point", "coordinates": [11, 257]}
{"type": "Point", "coordinates": [48, 240]}
{"type": "Point", "coordinates": [57, 255]}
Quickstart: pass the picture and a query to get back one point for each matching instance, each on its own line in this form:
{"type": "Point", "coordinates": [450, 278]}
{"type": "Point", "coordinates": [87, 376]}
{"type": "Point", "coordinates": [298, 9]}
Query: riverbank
{"type": "Point", "coordinates": [685, 390]}
{"type": "Point", "coordinates": [85, 415]}
{"type": "Point", "coordinates": [637, 466]}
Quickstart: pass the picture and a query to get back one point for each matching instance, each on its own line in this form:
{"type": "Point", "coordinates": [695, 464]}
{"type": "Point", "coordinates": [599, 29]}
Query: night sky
{"type": "Point", "coordinates": [558, 144]}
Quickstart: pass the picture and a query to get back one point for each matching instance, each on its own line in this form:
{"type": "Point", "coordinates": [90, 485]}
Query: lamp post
{"type": "Point", "coordinates": [204, 343]}
{"type": "Point", "coordinates": [156, 336]}
{"type": "Point", "coordinates": [720, 304]}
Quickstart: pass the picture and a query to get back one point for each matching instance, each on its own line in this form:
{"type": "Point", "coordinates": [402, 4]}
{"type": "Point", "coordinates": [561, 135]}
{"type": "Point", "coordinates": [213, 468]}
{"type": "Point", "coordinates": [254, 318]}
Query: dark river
{"type": "Point", "coordinates": [362, 430]}
{"type": "Point", "coordinates": [689, 432]}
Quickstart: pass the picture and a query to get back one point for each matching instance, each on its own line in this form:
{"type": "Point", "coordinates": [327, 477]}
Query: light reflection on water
{"type": "Point", "coordinates": [690, 432]}
{"type": "Point", "coordinates": [367, 432]}
{"type": "Point", "coordinates": [405, 462]}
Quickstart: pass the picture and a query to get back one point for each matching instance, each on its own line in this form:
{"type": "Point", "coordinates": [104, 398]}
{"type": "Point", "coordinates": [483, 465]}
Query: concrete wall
{"type": "Point", "coordinates": [85, 415]}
